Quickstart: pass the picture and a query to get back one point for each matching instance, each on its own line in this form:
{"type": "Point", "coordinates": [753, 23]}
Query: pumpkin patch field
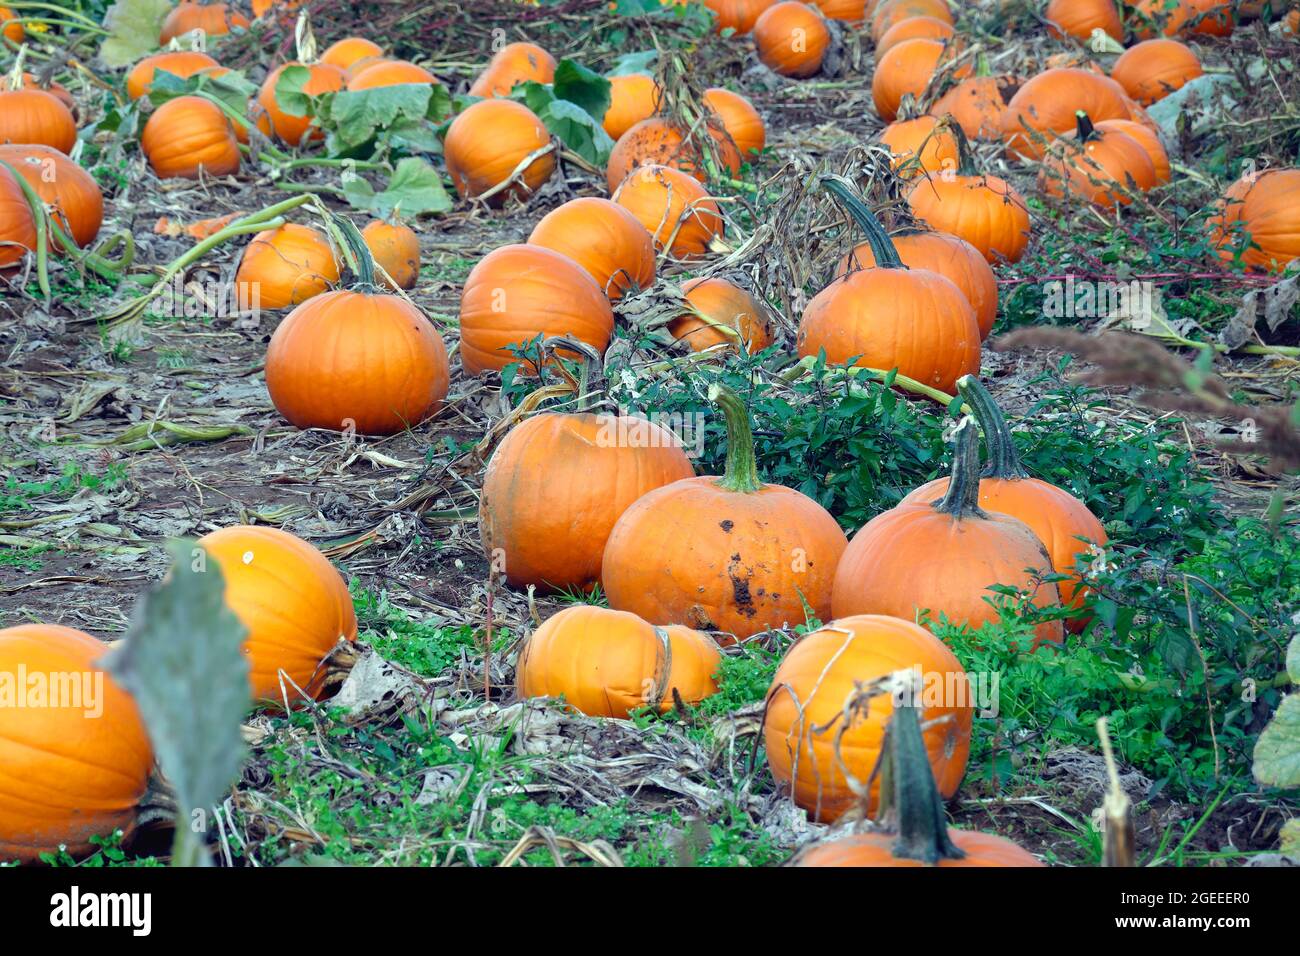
{"type": "Point", "coordinates": [650, 433]}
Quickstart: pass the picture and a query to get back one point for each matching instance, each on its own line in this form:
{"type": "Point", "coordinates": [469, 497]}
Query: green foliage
{"type": "Point", "coordinates": [134, 27]}
{"type": "Point", "coordinates": [424, 648]}
{"type": "Point", "coordinates": [16, 495]}
{"type": "Point", "coordinates": [572, 108]}
{"type": "Point", "coordinates": [415, 189]}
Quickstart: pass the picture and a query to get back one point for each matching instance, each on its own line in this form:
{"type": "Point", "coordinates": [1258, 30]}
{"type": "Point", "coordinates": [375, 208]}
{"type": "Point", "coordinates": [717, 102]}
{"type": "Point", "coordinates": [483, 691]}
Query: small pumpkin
{"type": "Point", "coordinates": [727, 553]}
{"type": "Point", "coordinates": [68, 190]}
{"type": "Point", "coordinates": [347, 52]}
{"type": "Point", "coordinates": [738, 119]}
{"type": "Point", "coordinates": [396, 247]}
{"type": "Point", "coordinates": [287, 128]}
{"type": "Point", "coordinates": [633, 97]}
{"type": "Point", "coordinates": [182, 63]}
{"type": "Point", "coordinates": [609, 663]}
{"type": "Point", "coordinates": [513, 64]}
{"type": "Point", "coordinates": [943, 557]}
{"type": "Point", "coordinates": [657, 141]}
{"type": "Point", "coordinates": [285, 266]}
{"type": "Point", "coordinates": [30, 115]}
{"type": "Point", "coordinates": [1103, 167]}
{"type": "Point", "coordinates": [802, 719]}
{"type": "Point", "coordinates": [1262, 212]}
{"type": "Point", "coordinates": [518, 292]}
{"type": "Point", "coordinates": [1148, 139]}
{"type": "Point", "coordinates": [1047, 107]}
{"type": "Point", "coordinates": [906, 69]}
{"type": "Point", "coordinates": [209, 19]}
{"type": "Point", "coordinates": [605, 239]}
{"type": "Point", "coordinates": [738, 15]}
{"type": "Point", "coordinates": [1151, 70]}
{"type": "Point", "coordinates": [72, 768]}
{"type": "Point", "coordinates": [792, 39]}
{"type": "Point", "coordinates": [1079, 18]}
{"type": "Point", "coordinates": [893, 12]}
{"type": "Point", "coordinates": [890, 316]}
{"type": "Point", "coordinates": [369, 76]}
{"type": "Point", "coordinates": [921, 146]}
{"type": "Point", "coordinates": [977, 104]}
{"type": "Point", "coordinates": [915, 28]}
{"type": "Point", "coordinates": [188, 137]}
{"type": "Point", "coordinates": [13, 26]}
{"type": "Point", "coordinates": [674, 207]}
{"type": "Point", "coordinates": [488, 142]}
{"type": "Point", "coordinates": [722, 313]}
{"type": "Point", "coordinates": [17, 226]}
{"type": "Point", "coordinates": [1207, 17]}
{"type": "Point", "coordinates": [292, 601]}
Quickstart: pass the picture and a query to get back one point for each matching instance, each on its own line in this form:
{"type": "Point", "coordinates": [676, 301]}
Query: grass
{"type": "Point", "coordinates": [18, 496]}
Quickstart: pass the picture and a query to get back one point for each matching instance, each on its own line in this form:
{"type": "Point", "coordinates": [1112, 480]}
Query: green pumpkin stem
{"type": "Point", "coordinates": [742, 471]}
{"type": "Point", "coordinates": [882, 247]}
{"type": "Point", "coordinates": [1004, 461]}
{"type": "Point", "coordinates": [1083, 126]}
{"type": "Point", "coordinates": [591, 374]}
{"type": "Point", "coordinates": [963, 497]}
{"type": "Point", "coordinates": [350, 242]}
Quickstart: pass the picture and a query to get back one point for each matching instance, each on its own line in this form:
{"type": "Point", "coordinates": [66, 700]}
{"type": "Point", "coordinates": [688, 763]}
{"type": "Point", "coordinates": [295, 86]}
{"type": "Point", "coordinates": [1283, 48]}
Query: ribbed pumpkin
{"type": "Point", "coordinates": [347, 52]}
{"type": "Point", "coordinates": [726, 553]}
{"type": "Point", "coordinates": [809, 691]}
{"type": "Point", "coordinates": [513, 64]}
{"type": "Point", "coordinates": [890, 316]}
{"type": "Point", "coordinates": [914, 829]}
{"type": "Point", "coordinates": [17, 227]}
{"type": "Point", "coordinates": [892, 12]}
{"type": "Point", "coordinates": [1078, 18]}
{"type": "Point", "coordinates": [486, 143]}
{"type": "Point", "coordinates": [947, 255]}
{"type": "Point", "coordinates": [210, 19]}
{"type": "Point", "coordinates": [792, 39]}
{"type": "Point", "coordinates": [1103, 167]}
{"type": "Point", "coordinates": [396, 247]}
{"type": "Point", "coordinates": [609, 663]}
{"type": "Point", "coordinates": [915, 28]}
{"type": "Point", "coordinates": [293, 602]}
{"type": "Point", "coordinates": [68, 190]}
{"type": "Point", "coordinates": [660, 142]}
{"type": "Point", "coordinates": [382, 72]}
{"type": "Point", "coordinates": [738, 118]}
{"type": "Point", "coordinates": [722, 313]}
{"type": "Point", "coordinates": [921, 146]}
{"type": "Point", "coordinates": [674, 207]}
{"type": "Point", "coordinates": [632, 98]}
{"type": "Point", "coordinates": [357, 358]}
{"type": "Point", "coordinates": [30, 116]}
{"type": "Point", "coordinates": [1148, 139]}
{"type": "Point", "coordinates": [518, 292]}
{"type": "Point", "coordinates": [1047, 106]}
{"type": "Point", "coordinates": [605, 239]}
{"type": "Point", "coordinates": [13, 28]}
{"type": "Point", "coordinates": [1151, 70]}
{"type": "Point", "coordinates": [55, 89]}
{"type": "Point", "coordinates": [906, 68]}
{"type": "Point", "coordinates": [289, 129]}
{"type": "Point", "coordinates": [944, 557]}
{"type": "Point", "coordinates": [189, 136]}
{"type": "Point", "coordinates": [977, 104]}
{"type": "Point", "coordinates": [1058, 518]}
{"type": "Point", "coordinates": [1264, 211]}
{"type": "Point", "coordinates": [285, 266]}
{"type": "Point", "coordinates": [1212, 17]}
{"type": "Point", "coordinates": [739, 15]}
{"type": "Point", "coordinates": [75, 763]}
{"type": "Point", "coordinates": [850, 11]}
{"type": "Point", "coordinates": [182, 63]}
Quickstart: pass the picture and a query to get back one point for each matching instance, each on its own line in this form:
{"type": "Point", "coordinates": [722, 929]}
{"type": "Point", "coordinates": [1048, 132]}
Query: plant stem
{"type": "Point", "coordinates": [1004, 460]}
{"type": "Point", "coordinates": [914, 802]}
{"type": "Point", "coordinates": [963, 497]}
{"type": "Point", "coordinates": [741, 474]}
{"type": "Point", "coordinates": [882, 247]}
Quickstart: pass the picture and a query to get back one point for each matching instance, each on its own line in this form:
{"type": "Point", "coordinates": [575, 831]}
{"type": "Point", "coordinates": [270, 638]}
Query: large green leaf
{"type": "Point", "coordinates": [134, 27]}
{"type": "Point", "coordinates": [577, 84]}
{"type": "Point", "coordinates": [355, 118]}
{"type": "Point", "coordinates": [232, 89]}
{"type": "Point", "coordinates": [1277, 752]}
{"type": "Point", "coordinates": [1293, 660]}
{"type": "Point", "coordinates": [415, 189]}
{"type": "Point", "coordinates": [641, 61]}
{"type": "Point", "coordinates": [577, 130]}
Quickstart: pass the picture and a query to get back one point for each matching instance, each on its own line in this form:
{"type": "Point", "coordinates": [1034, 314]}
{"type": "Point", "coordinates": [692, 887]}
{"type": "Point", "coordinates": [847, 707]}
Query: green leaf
{"type": "Point", "coordinates": [134, 27]}
{"type": "Point", "coordinates": [578, 130]}
{"type": "Point", "coordinates": [640, 62]}
{"type": "Point", "coordinates": [577, 84]}
{"type": "Point", "coordinates": [1277, 752]}
{"type": "Point", "coordinates": [1293, 660]}
{"type": "Point", "coordinates": [183, 663]}
{"type": "Point", "coordinates": [233, 89]}
{"type": "Point", "coordinates": [416, 188]}
{"type": "Point", "coordinates": [289, 95]}
{"type": "Point", "coordinates": [1289, 837]}
{"type": "Point", "coordinates": [356, 117]}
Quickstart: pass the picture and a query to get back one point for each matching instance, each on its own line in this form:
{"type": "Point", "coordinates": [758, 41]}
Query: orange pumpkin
{"type": "Point", "coordinates": [632, 98]}
{"type": "Point", "coordinates": [13, 27]}
{"type": "Point", "coordinates": [1262, 210]}
{"type": "Point", "coordinates": [209, 19]}
{"type": "Point", "coordinates": [1103, 167]}
{"type": "Point", "coordinates": [1058, 518]}
{"type": "Point", "coordinates": [292, 601]}
{"type": "Point", "coordinates": [915, 28]}
{"type": "Point", "coordinates": [75, 762]}
{"type": "Point", "coordinates": [1047, 106]}
{"type": "Point", "coordinates": [284, 7]}
{"type": "Point", "coordinates": [610, 663]}
{"type": "Point", "coordinates": [182, 63]}
{"type": "Point", "coordinates": [30, 116]}
{"type": "Point", "coordinates": [69, 191]}
{"type": "Point", "coordinates": [1151, 70]}
{"type": "Point", "coordinates": [893, 12]}
{"type": "Point", "coordinates": [907, 68]}
{"type": "Point", "coordinates": [519, 292]}
{"type": "Point", "coordinates": [488, 142]}
{"type": "Point", "coordinates": [287, 128]}
{"type": "Point", "coordinates": [17, 226]}
{"type": "Point", "coordinates": [721, 313]}
{"type": "Point", "coordinates": [57, 90]}
{"type": "Point", "coordinates": [513, 64]}
{"type": "Point", "coordinates": [738, 119]}
{"type": "Point", "coordinates": [726, 553]}
{"type": "Point", "coordinates": [605, 239]}
{"type": "Point", "coordinates": [738, 15]}
{"type": "Point", "coordinates": [921, 146]}
{"type": "Point", "coordinates": [1208, 17]}
{"type": "Point", "coordinates": [1148, 139]}
{"type": "Point", "coordinates": [347, 52]}
{"type": "Point", "coordinates": [977, 104]}
{"type": "Point", "coordinates": [369, 76]}
{"type": "Point", "coordinates": [396, 247]}
{"type": "Point", "coordinates": [808, 694]}
{"type": "Point", "coordinates": [674, 207]}
{"type": "Point", "coordinates": [285, 266]}
{"type": "Point", "coordinates": [942, 558]}
{"type": "Point", "coordinates": [792, 39]}
{"type": "Point", "coordinates": [1079, 18]}
{"type": "Point", "coordinates": [851, 11]}
{"type": "Point", "coordinates": [657, 141]}
{"type": "Point", "coordinates": [188, 137]}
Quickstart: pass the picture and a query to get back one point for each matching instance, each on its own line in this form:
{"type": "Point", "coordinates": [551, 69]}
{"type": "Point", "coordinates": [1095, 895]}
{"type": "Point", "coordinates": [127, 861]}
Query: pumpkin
{"type": "Point", "coordinates": [1148, 139]}
{"type": "Point", "coordinates": [907, 69]}
{"type": "Point", "coordinates": [182, 63]}
{"type": "Point", "coordinates": [808, 694]}
{"type": "Point", "coordinates": [738, 15]}
{"type": "Point", "coordinates": [1047, 106]}
{"type": "Point", "coordinates": [949, 256]}
{"type": "Point", "coordinates": [13, 27]}
{"type": "Point", "coordinates": [518, 292]}
{"type": "Point", "coordinates": [1291, 24]}
{"type": "Point", "coordinates": [913, 831]}
{"type": "Point", "coordinates": [1058, 518]}
{"type": "Point", "coordinates": [74, 764]}
{"type": "Point", "coordinates": [1211, 17]}
{"type": "Point", "coordinates": [890, 316]}
{"type": "Point", "coordinates": [262, 7]}
{"type": "Point", "coordinates": [920, 146]}
{"type": "Point", "coordinates": [610, 663]}
{"type": "Point", "coordinates": [287, 128]}
{"type": "Point", "coordinates": [632, 98]}
{"type": "Point", "coordinates": [513, 64]}
{"type": "Point", "coordinates": [68, 190]}
{"type": "Point", "coordinates": [738, 119]}
{"type": "Point", "coordinates": [396, 247]}
{"type": "Point", "coordinates": [57, 90]}
{"type": "Point", "coordinates": [293, 603]}
{"type": "Point", "coordinates": [34, 116]}
{"type": "Point", "coordinates": [347, 52]}
{"type": "Point", "coordinates": [17, 226]}
{"type": "Point", "coordinates": [657, 141]}
{"type": "Point", "coordinates": [188, 137]}
{"type": "Point", "coordinates": [943, 557]}
{"type": "Point", "coordinates": [722, 313]}
{"type": "Point", "coordinates": [1103, 167]}
{"type": "Point", "coordinates": [1151, 70]}
{"type": "Point", "coordinates": [727, 553]}
{"type": "Point", "coordinates": [1262, 210]}
{"type": "Point", "coordinates": [285, 266]}
{"type": "Point", "coordinates": [605, 239]}
{"type": "Point", "coordinates": [893, 12]}
{"type": "Point", "coordinates": [369, 76]}
{"type": "Point", "coordinates": [851, 11]}
{"type": "Point", "coordinates": [209, 19]}
{"type": "Point", "coordinates": [977, 104]}
{"type": "Point", "coordinates": [915, 28]}
{"type": "Point", "coordinates": [674, 207]}
{"type": "Point", "coordinates": [488, 142]}
{"type": "Point", "coordinates": [1079, 18]}
{"type": "Point", "coordinates": [792, 39]}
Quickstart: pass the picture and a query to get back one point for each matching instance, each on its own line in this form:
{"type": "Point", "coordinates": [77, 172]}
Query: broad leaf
{"type": "Point", "coordinates": [415, 189]}
{"type": "Point", "coordinates": [578, 130]}
{"type": "Point", "coordinates": [577, 84]}
{"type": "Point", "coordinates": [640, 62]}
{"type": "Point", "coordinates": [1277, 751]}
{"type": "Point", "coordinates": [133, 27]}
{"type": "Point", "coordinates": [1293, 660]}
{"type": "Point", "coordinates": [355, 118]}
{"type": "Point", "coordinates": [232, 89]}
{"type": "Point", "coordinates": [289, 95]}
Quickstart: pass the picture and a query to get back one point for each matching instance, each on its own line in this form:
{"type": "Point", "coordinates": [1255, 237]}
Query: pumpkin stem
{"type": "Point", "coordinates": [963, 497]}
{"type": "Point", "coordinates": [965, 157]}
{"type": "Point", "coordinates": [16, 74]}
{"type": "Point", "coordinates": [1004, 461]}
{"type": "Point", "coordinates": [1083, 126]}
{"type": "Point", "coordinates": [742, 471]}
{"type": "Point", "coordinates": [352, 245]}
{"type": "Point", "coordinates": [882, 247]}
{"type": "Point", "coordinates": [591, 374]}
